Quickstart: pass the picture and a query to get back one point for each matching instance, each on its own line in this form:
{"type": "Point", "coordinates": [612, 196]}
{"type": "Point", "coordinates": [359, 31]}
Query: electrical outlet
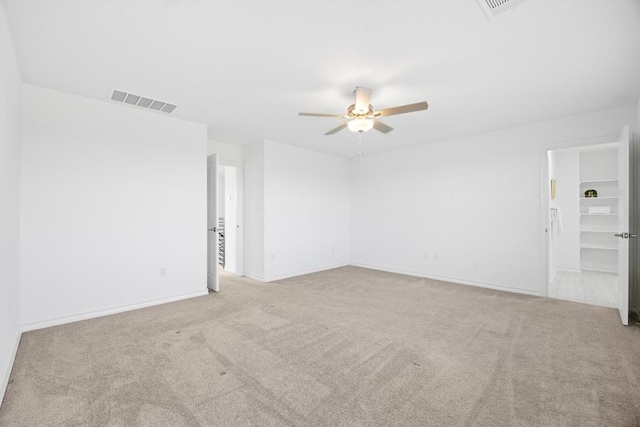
{"type": "Point", "coordinates": [426, 256]}
{"type": "Point", "coordinates": [435, 256]}
{"type": "Point", "coordinates": [163, 271]}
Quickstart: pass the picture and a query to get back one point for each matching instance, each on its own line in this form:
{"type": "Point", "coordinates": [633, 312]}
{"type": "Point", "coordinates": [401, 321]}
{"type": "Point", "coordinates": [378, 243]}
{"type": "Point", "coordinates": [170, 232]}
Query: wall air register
{"type": "Point", "coordinates": [493, 7]}
{"type": "Point", "coordinates": [141, 101]}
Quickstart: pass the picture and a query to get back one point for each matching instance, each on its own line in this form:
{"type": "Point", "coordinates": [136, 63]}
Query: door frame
{"type": "Point", "coordinates": [544, 236]}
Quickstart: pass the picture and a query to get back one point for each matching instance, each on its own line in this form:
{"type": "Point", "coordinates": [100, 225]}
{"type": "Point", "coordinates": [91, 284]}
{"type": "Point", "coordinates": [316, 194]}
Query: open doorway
{"type": "Point", "coordinates": [227, 219]}
{"type": "Point", "coordinates": [223, 219]}
{"type": "Point", "coordinates": [212, 223]}
{"type": "Point", "coordinates": [603, 203]}
{"type": "Point", "coordinates": [583, 219]}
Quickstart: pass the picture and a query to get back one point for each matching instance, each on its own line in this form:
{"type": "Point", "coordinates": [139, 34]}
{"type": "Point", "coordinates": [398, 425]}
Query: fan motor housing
{"type": "Point", "coordinates": [352, 107]}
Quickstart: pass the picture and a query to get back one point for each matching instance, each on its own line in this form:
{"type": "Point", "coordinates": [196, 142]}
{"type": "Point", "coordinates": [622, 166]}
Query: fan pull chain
{"type": "Point", "coordinates": [360, 146]}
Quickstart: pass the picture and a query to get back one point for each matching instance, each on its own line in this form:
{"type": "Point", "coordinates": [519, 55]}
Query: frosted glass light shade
{"type": "Point", "coordinates": [360, 125]}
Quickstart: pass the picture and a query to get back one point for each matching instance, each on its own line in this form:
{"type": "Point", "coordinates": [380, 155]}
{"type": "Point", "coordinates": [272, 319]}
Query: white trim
{"type": "Point", "coordinates": [570, 270]}
{"type": "Point", "coordinates": [7, 373]}
{"type": "Point", "coordinates": [452, 280]}
{"type": "Point", "coordinates": [601, 270]}
{"type": "Point", "coordinates": [254, 276]}
{"type": "Point", "coordinates": [100, 313]}
{"type": "Point", "coordinates": [303, 272]}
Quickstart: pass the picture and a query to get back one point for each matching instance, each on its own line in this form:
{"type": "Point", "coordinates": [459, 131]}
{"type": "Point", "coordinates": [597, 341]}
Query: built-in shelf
{"type": "Point", "coordinates": [598, 245]}
{"type": "Point", "coordinates": [605, 247]}
{"type": "Point", "coordinates": [600, 181]}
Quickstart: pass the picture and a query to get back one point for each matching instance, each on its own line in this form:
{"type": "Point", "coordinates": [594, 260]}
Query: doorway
{"type": "Point", "coordinates": [583, 204]}
{"type": "Point", "coordinates": [598, 215]}
{"type": "Point", "coordinates": [228, 218]}
{"type": "Point", "coordinates": [224, 210]}
{"type": "Point", "coordinates": [212, 223]}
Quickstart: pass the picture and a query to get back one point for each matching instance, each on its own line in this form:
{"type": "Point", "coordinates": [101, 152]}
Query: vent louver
{"type": "Point", "coordinates": [494, 7]}
{"type": "Point", "coordinates": [141, 101]}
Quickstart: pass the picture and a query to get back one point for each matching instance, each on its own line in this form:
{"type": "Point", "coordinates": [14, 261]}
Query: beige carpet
{"type": "Point", "coordinates": [346, 347]}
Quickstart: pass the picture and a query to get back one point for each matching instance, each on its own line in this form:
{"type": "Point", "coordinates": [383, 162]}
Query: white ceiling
{"type": "Point", "coordinates": [246, 68]}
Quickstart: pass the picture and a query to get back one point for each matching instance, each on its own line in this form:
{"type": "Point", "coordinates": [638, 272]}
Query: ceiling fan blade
{"type": "Point", "coordinates": [338, 129]}
{"type": "Point", "coordinates": [409, 108]}
{"type": "Point", "coordinates": [321, 115]}
{"type": "Point", "coordinates": [381, 127]}
{"type": "Point", "coordinates": [363, 99]}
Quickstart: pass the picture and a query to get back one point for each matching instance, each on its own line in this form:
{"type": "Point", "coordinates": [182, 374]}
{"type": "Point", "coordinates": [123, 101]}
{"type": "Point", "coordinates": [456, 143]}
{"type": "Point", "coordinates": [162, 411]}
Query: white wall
{"type": "Point", "coordinates": [599, 164]}
{"type": "Point", "coordinates": [306, 211]}
{"type": "Point", "coordinates": [110, 194]}
{"type": "Point", "coordinates": [472, 203]}
{"type": "Point", "coordinates": [220, 191]}
{"type": "Point", "coordinates": [565, 248]}
{"type": "Point", "coordinates": [9, 203]}
{"type": "Point", "coordinates": [228, 154]}
{"type": "Point", "coordinates": [254, 210]}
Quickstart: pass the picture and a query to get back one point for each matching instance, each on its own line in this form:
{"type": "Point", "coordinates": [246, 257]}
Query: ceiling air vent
{"type": "Point", "coordinates": [493, 7]}
{"type": "Point", "coordinates": [141, 101]}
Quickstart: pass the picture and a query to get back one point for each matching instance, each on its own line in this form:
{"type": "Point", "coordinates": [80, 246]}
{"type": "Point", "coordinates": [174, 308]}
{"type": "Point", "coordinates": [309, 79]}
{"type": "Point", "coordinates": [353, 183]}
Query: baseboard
{"type": "Point", "coordinates": [90, 315]}
{"type": "Point", "coordinates": [600, 270]}
{"type": "Point", "coordinates": [7, 374]}
{"type": "Point", "coordinates": [569, 270]}
{"type": "Point", "coordinates": [486, 285]}
{"type": "Point", "coordinates": [254, 276]}
{"type": "Point", "coordinates": [302, 272]}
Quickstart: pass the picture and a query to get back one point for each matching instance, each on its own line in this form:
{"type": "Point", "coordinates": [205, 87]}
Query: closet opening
{"type": "Point", "coordinates": [224, 213]}
{"type": "Point", "coordinates": [582, 222]}
{"type": "Point", "coordinates": [227, 219]}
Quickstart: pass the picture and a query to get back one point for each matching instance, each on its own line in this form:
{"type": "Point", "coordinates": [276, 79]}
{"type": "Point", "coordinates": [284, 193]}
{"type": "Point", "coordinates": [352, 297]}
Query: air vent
{"type": "Point", "coordinates": [141, 101]}
{"type": "Point", "coordinates": [493, 7]}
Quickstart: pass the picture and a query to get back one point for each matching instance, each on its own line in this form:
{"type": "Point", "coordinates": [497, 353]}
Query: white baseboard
{"type": "Point", "coordinates": [570, 270]}
{"type": "Point", "coordinates": [90, 315]}
{"type": "Point", "coordinates": [7, 373]}
{"type": "Point", "coordinates": [302, 272]}
{"type": "Point", "coordinates": [486, 285]}
{"type": "Point", "coordinates": [254, 276]}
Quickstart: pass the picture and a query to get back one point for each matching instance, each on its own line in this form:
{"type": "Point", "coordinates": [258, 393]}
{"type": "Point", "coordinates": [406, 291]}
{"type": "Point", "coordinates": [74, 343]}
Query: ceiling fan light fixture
{"type": "Point", "coordinates": [360, 125]}
{"type": "Point", "coordinates": [361, 117]}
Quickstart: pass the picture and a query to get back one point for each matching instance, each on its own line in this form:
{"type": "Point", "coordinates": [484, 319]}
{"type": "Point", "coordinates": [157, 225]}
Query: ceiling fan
{"type": "Point", "coordinates": [361, 116]}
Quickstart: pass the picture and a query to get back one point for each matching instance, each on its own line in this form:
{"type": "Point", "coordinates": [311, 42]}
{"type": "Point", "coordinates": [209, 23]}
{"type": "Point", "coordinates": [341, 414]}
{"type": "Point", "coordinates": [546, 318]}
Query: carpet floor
{"type": "Point", "coordinates": [344, 347]}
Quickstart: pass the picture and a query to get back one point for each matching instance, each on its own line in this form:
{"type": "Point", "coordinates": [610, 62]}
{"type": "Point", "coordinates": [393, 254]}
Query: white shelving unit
{"type": "Point", "coordinates": [598, 245]}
